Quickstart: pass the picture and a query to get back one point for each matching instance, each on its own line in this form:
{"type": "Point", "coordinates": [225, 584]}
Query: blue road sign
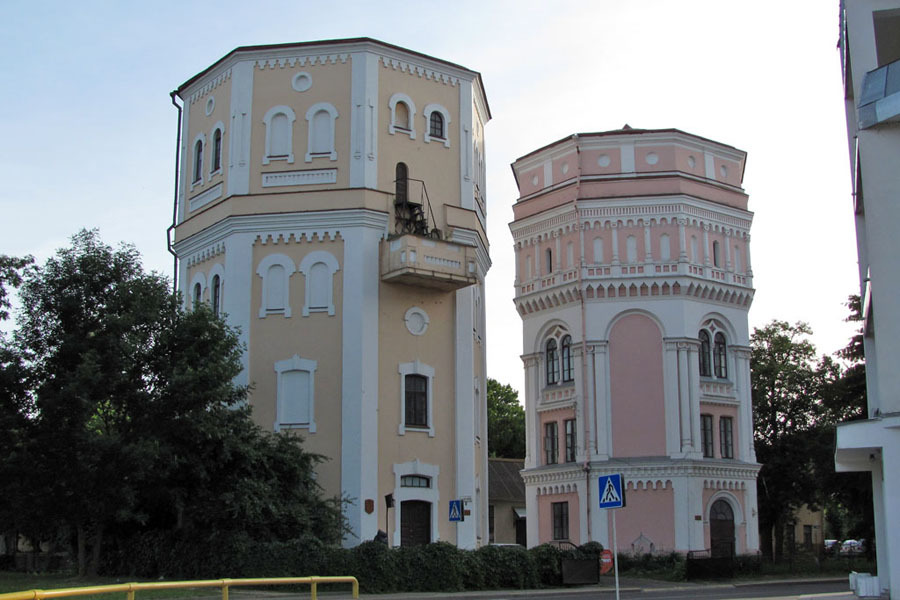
{"type": "Point", "coordinates": [612, 495]}
{"type": "Point", "coordinates": [456, 511]}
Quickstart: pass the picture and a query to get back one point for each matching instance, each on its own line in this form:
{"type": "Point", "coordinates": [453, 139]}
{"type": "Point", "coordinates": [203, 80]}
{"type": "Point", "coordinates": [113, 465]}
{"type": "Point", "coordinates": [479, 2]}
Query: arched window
{"type": "Point", "coordinates": [279, 122]}
{"type": "Point", "coordinates": [737, 259]}
{"type": "Point", "coordinates": [403, 113]}
{"type": "Point", "coordinates": [198, 161]}
{"type": "Point", "coordinates": [720, 364]}
{"type": "Point", "coordinates": [275, 271]}
{"type": "Point", "coordinates": [401, 183]}
{"type": "Point", "coordinates": [704, 354]}
{"type": "Point", "coordinates": [566, 352]}
{"type": "Point", "coordinates": [436, 125]}
{"type": "Point", "coordinates": [694, 249]}
{"type": "Point", "coordinates": [631, 249]}
{"type": "Point", "coordinates": [549, 255]}
{"type": "Point", "coordinates": [717, 259]}
{"type": "Point", "coordinates": [217, 151]}
{"type": "Point", "coordinates": [665, 248]}
{"type": "Point", "coordinates": [598, 250]}
{"type": "Point", "coordinates": [552, 362]}
{"type": "Point", "coordinates": [437, 121]}
{"type": "Point", "coordinates": [321, 118]}
{"type": "Point", "coordinates": [216, 294]}
{"type": "Point", "coordinates": [319, 268]}
{"type": "Point", "coordinates": [198, 293]}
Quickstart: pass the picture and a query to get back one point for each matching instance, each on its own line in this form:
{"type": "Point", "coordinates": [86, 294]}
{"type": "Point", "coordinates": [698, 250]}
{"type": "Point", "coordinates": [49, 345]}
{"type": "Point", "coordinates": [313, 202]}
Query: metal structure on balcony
{"type": "Point", "coordinates": [880, 97]}
{"type": "Point", "coordinates": [410, 208]}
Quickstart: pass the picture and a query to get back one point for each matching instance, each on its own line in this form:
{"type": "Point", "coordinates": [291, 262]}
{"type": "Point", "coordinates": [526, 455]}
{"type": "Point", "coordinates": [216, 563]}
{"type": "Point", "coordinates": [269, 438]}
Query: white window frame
{"type": "Point", "coordinates": [295, 363]}
{"type": "Point", "coordinates": [200, 137]}
{"type": "Point", "coordinates": [219, 126]}
{"type": "Point", "coordinates": [416, 367]}
{"type": "Point", "coordinates": [319, 256]}
{"type": "Point", "coordinates": [263, 271]}
{"type": "Point", "coordinates": [219, 270]}
{"type": "Point", "coordinates": [267, 119]}
{"type": "Point", "coordinates": [429, 494]}
{"type": "Point", "coordinates": [410, 127]}
{"type": "Point", "coordinates": [312, 112]}
{"type": "Point", "coordinates": [199, 277]}
{"type": "Point", "coordinates": [444, 113]}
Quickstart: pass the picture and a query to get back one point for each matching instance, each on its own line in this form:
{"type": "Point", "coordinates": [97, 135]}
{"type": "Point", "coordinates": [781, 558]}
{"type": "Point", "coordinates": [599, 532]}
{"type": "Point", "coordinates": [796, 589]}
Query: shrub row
{"type": "Point", "coordinates": [438, 567]}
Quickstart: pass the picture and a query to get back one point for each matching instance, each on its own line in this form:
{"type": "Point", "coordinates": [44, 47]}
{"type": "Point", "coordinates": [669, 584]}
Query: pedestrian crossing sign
{"type": "Point", "coordinates": [612, 495]}
{"type": "Point", "coordinates": [456, 512]}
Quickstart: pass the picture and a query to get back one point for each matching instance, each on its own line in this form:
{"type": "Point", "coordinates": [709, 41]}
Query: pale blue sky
{"type": "Point", "coordinates": [87, 131]}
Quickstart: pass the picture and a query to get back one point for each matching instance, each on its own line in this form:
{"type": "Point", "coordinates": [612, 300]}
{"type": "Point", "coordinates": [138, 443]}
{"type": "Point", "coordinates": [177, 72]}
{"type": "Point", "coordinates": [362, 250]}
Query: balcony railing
{"type": "Point", "coordinates": [430, 263]}
{"type": "Point", "coordinates": [879, 101]}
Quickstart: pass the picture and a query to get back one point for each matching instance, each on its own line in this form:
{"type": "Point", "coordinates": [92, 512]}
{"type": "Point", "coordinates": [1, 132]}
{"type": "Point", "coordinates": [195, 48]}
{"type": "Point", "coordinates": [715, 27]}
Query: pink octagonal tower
{"type": "Point", "coordinates": [633, 282]}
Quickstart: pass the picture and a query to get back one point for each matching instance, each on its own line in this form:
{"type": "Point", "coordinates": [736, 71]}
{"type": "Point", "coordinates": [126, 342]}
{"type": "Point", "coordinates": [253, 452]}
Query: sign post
{"type": "Point", "coordinates": [612, 495]}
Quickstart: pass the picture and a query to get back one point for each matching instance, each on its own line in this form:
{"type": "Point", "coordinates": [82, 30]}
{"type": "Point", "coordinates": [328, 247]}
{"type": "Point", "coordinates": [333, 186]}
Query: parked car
{"type": "Point", "coordinates": [851, 547]}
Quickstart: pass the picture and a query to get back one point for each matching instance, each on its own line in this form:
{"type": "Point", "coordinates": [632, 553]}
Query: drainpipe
{"type": "Point", "coordinates": [586, 467]}
{"type": "Point", "coordinates": [171, 230]}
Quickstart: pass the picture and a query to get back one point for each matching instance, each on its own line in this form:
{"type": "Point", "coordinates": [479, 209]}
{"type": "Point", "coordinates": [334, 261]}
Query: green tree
{"type": "Point", "coordinates": [133, 421]}
{"type": "Point", "coordinates": [787, 386]}
{"type": "Point", "coordinates": [506, 421]}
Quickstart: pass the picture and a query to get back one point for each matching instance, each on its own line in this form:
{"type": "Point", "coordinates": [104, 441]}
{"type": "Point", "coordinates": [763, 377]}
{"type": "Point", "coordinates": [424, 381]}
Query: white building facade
{"type": "Point", "coordinates": [331, 203]}
{"type": "Point", "coordinates": [870, 53]}
{"type": "Point", "coordinates": [633, 282]}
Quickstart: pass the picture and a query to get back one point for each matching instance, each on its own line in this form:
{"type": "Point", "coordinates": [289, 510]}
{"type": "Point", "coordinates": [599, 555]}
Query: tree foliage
{"type": "Point", "coordinates": [128, 420]}
{"type": "Point", "coordinates": [506, 421]}
{"type": "Point", "coordinates": [787, 385]}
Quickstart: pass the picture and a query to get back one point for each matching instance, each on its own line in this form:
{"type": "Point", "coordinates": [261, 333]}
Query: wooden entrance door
{"type": "Point", "coordinates": [415, 523]}
{"type": "Point", "coordinates": [721, 530]}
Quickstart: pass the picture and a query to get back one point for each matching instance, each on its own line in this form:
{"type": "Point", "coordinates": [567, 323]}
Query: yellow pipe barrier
{"type": "Point", "coordinates": [130, 588]}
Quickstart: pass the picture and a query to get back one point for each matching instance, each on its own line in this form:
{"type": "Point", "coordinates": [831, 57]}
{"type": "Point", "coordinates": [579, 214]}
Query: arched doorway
{"type": "Point", "coordinates": [721, 529]}
{"type": "Point", "coordinates": [415, 523]}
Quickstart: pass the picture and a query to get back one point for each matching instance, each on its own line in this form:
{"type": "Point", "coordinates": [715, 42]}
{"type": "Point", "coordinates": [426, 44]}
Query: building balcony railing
{"type": "Point", "coordinates": [879, 101]}
{"type": "Point", "coordinates": [649, 270]}
{"type": "Point", "coordinates": [426, 262]}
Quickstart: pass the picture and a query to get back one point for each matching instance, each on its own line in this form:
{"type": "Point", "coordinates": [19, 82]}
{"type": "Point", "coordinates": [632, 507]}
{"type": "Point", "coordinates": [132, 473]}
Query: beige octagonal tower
{"type": "Point", "coordinates": [331, 203]}
{"type": "Point", "coordinates": [633, 282]}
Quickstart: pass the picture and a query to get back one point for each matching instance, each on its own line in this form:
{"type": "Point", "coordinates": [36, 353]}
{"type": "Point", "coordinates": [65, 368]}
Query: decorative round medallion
{"type": "Point", "coordinates": [723, 171]}
{"type": "Point", "coordinates": [416, 320]}
{"type": "Point", "coordinates": [210, 105]}
{"type": "Point", "coordinates": [301, 81]}
{"type": "Point", "coordinates": [652, 158]}
{"type": "Point", "coordinates": [692, 162]}
{"type": "Point", "coordinates": [534, 180]}
{"type": "Point", "coordinates": [565, 168]}
{"type": "Point", "coordinates": [603, 160]}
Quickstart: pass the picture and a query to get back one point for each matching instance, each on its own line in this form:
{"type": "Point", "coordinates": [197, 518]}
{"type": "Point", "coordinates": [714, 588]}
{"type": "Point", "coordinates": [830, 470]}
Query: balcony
{"type": "Point", "coordinates": [880, 97]}
{"type": "Point", "coordinates": [425, 262]}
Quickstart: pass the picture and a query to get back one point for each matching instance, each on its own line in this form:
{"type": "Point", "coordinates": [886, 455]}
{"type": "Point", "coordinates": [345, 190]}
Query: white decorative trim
{"type": "Point", "coordinates": [430, 108]}
{"type": "Point", "coordinates": [310, 114]}
{"type": "Point", "coordinates": [282, 61]}
{"type": "Point", "coordinates": [288, 178]}
{"type": "Point", "coordinates": [410, 127]}
{"type": "Point", "coordinates": [210, 105]}
{"type": "Point", "coordinates": [301, 81]}
{"type": "Point", "coordinates": [429, 494]}
{"type": "Point", "coordinates": [416, 320]}
{"type": "Point", "coordinates": [200, 137]}
{"type": "Point", "coordinates": [217, 269]}
{"type": "Point", "coordinates": [419, 70]}
{"type": "Point", "coordinates": [209, 86]}
{"type": "Point", "coordinates": [267, 119]}
{"type": "Point", "coordinates": [263, 271]}
{"type": "Point", "coordinates": [308, 262]}
{"type": "Point", "coordinates": [295, 363]}
{"type": "Point", "coordinates": [206, 197]}
{"type": "Point", "coordinates": [416, 368]}
{"type": "Point", "coordinates": [199, 277]}
{"type": "Point", "coordinates": [219, 126]}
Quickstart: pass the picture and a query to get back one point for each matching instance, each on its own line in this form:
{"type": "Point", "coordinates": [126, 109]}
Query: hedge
{"type": "Point", "coordinates": [437, 567]}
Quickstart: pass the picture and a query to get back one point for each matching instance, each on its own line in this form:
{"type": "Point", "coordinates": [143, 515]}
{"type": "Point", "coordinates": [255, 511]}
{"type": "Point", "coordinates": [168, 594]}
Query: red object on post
{"type": "Point", "coordinates": [606, 561]}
